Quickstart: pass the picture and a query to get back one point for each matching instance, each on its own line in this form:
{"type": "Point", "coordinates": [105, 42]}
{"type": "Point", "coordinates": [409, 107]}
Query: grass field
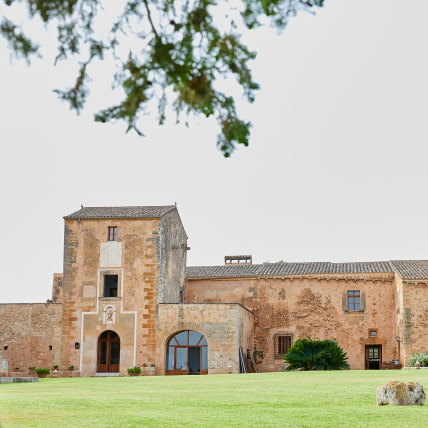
{"type": "Point", "coordinates": [297, 399]}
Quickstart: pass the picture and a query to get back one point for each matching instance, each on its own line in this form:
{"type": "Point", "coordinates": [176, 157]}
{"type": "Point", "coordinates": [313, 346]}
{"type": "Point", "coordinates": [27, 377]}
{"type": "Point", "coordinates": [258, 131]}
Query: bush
{"type": "Point", "coordinates": [42, 372]}
{"type": "Point", "coordinates": [422, 357]}
{"type": "Point", "coordinates": [308, 354]}
{"type": "Point", "coordinates": [134, 371]}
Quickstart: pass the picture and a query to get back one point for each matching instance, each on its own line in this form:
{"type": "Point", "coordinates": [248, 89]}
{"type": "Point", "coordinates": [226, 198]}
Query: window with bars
{"type": "Point", "coordinates": [113, 233]}
{"type": "Point", "coordinates": [282, 343]}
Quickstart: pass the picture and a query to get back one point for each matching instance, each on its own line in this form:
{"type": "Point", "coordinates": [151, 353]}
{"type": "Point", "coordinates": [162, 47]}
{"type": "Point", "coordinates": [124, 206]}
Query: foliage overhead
{"type": "Point", "coordinates": [177, 53]}
{"type": "Point", "coordinates": [308, 354]}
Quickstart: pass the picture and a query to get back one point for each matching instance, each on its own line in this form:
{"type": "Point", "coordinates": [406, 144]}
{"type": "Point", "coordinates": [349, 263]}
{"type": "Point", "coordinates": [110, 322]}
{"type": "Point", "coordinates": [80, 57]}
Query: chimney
{"type": "Point", "coordinates": [238, 260]}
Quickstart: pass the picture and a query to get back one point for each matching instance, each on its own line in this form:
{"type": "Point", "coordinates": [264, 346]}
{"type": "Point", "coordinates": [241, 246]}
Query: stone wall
{"type": "Point", "coordinates": [88, 257]}
{"type": "Point", "coordinates": [310, 306]}
{"type": "Point", "coordinates": [30, 335]}
{"type": "Point", "coordinates": [57, 288]}
{"type": "Point", "coordinates": [172, 257]}
{"type": "Point", "coordinates": [413, 318]}
{"type": "Point", "coordinates": [225, 326]}
{"type": "Point", "coordinates": [149, 259]}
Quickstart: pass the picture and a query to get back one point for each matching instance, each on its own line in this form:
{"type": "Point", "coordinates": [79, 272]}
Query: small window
{"type": "Point", "coordinates": [372, 332]}
{"type": "Point", "coordinates": [113, 233]}
{"type": "Point", "coordinates": [354, 300]}
{"type": "Point", "coordinates": [282, 343]}
{"type": "Point", "coordinates": [110, 285]}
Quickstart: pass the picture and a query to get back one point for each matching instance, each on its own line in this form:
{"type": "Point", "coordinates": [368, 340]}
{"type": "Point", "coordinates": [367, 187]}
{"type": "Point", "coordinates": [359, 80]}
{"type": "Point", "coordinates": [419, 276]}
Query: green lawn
{"type": "Point", "coordinates": [296, 399]}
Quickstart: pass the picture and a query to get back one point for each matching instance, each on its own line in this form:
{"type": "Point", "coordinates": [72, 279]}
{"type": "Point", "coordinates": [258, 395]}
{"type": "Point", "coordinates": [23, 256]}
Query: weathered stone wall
{"type": "Point", "coordinates": [225, 326]}
{"type": "Point", "coordinates": [310, 306]}
{"type": "Point", "coordinates": [413, 318]}
{"type": "Point", "coordinates": [30, 335]}
{"type": "Point", "coordinates": [57, 288]}
{"type": "Point", "coordinates": [172, 257]}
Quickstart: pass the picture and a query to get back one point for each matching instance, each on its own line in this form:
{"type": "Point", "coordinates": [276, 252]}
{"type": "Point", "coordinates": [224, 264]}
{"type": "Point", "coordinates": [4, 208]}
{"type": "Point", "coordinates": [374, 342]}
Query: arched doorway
{"type": "Point", "coordinates": [108, 352]}
{"type": "Point", "coordinates": [187, 353]}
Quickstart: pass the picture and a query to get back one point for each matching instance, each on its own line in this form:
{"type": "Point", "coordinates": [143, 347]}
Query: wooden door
{"type": "Point", "coordinates": [108, 352]}
{"type": "Point", "coordinates": [373, 357]}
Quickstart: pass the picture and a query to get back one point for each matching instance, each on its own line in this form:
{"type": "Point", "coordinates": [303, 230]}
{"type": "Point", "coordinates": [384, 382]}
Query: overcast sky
{"type": "Point", "coordinates": [336, 169]}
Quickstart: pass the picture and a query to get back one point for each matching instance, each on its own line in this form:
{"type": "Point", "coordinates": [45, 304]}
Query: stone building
{"type": "Point", "coordinates": [126, 298]}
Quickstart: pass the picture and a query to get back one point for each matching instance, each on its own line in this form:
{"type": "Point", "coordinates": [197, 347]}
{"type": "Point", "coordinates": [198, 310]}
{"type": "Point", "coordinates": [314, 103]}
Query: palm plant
{"type": "Point", "coordinates": [308, 354]}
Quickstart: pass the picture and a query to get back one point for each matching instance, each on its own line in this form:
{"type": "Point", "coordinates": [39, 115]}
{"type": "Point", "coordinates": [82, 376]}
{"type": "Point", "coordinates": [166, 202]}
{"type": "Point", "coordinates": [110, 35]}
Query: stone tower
{"type": "Point", "coordinates": [119, 263]}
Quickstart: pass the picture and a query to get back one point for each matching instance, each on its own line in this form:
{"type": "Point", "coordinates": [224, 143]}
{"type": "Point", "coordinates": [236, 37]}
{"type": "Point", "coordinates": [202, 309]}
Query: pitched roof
{"type": "Point", "coordinates": [121, 212]}
{"type": "Point", "coordinates": [281, 268]}
{"type": "Point", "coordinates": [411, 269]}
{"type": "Point", "coordinates": [227, 271]}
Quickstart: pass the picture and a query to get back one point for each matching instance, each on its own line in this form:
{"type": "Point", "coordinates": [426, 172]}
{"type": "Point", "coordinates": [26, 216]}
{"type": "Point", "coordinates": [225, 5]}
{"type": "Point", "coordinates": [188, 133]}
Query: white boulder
{"type": "Point", "coordinates": [398, 393]}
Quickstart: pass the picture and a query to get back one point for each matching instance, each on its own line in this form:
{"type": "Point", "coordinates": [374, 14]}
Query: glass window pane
{"type": "Point", "coordinates": [170, 359]}
{"type": "Point", "coordinates": [204, 351]}
{"type": "Point", "coordinates": [182, 338]}
{"type": "Point", "coordinates": [203, 341]}
{"type": "Point", "coordinates": [103, 353]}
{"type": "Point", "coordinates": [181, 358]}
{"type": "Point", "coordinates": [114, 352]}
{"type": "Point", "coordinates": [194, 337]}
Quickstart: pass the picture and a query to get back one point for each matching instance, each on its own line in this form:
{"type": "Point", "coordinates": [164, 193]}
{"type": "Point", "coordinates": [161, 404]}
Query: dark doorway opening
{"type": "Point", "coordinates": [194, 356]}
{"type": "Point", "coordinates": [373, 357]}
{"type": "Point", "coordinates": [108, 352]}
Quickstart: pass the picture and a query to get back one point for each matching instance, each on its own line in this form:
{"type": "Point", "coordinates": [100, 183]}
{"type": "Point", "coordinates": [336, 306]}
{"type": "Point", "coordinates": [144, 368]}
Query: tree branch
{"type": "Point", "coordinates": [149, 16]}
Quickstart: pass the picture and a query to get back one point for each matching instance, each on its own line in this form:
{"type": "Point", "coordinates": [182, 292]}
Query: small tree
{"type": "Point", "coordinates": [308, 354]}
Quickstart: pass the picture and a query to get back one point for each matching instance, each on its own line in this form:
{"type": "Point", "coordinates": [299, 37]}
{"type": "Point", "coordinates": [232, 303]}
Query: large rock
{"type": "Point", "coordinates": [400, 394]}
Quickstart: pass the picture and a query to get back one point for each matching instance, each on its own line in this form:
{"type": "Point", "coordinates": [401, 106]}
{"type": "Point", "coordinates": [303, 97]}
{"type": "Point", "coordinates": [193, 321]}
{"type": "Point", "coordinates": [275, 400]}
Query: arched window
{"type": "Point", "coordinates": [187, 353]}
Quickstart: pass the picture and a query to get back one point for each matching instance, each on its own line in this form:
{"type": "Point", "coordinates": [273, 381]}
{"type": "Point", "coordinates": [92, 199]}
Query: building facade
{"type": "Point", "coordinates": [126, 298]}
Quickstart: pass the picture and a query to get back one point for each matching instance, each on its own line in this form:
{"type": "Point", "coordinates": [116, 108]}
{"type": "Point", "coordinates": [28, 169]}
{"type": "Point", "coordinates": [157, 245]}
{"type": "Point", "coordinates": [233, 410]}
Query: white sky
{"type": "Point", "coordinates": [336, 169]}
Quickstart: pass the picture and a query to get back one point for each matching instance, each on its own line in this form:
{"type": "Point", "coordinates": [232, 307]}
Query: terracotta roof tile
{"type": "Point", "coordinates": [281, 268]}
{"type": "Point", "coordinates": [411, 269]}
{"type": "Point", "coordinates": [121, 212]}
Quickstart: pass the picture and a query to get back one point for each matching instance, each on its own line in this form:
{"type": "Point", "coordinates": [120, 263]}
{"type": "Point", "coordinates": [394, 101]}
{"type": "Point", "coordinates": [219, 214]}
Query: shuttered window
{"type": "Point", "coordinates": [353, 301]}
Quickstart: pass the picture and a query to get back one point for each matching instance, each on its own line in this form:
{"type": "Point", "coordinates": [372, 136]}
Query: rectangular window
{"type": "Point", "coordinates": [113, 233]}
{"type": "Point", "coordinates": [282, 343]}
{"type": "Point", "coordinates": [110, 285]}
{"type": "Point", "coordinates": [354, 300]}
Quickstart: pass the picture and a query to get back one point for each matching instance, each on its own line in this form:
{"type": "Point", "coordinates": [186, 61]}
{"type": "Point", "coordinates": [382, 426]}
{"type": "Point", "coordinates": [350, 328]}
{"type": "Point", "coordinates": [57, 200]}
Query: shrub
{"type": "Point", "coordinates": [422, 357]}
{"type": "Point", "coordinates": [308, 354]}
{"type": "Point", "coordinates": [134, 371]}
{"type": "Point", "coordinates": [42, 372]}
